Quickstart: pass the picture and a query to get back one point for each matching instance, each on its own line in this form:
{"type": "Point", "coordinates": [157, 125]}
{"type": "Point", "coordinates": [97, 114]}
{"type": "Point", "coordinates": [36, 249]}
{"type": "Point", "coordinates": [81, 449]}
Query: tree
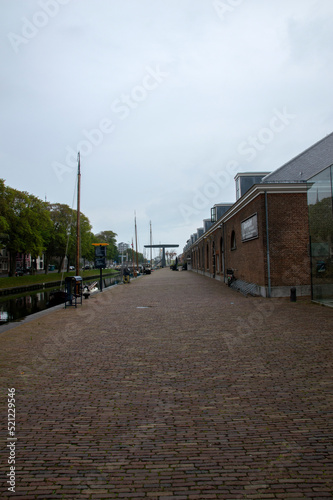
{"type": "Point", "coordinates": [4, 226]}
{"type": "Point", "coordinates": [28, 224]}
{"type": "Point", "coordinates": [87, 238]}
{"type": "Point", "coordinates": [62, 240]}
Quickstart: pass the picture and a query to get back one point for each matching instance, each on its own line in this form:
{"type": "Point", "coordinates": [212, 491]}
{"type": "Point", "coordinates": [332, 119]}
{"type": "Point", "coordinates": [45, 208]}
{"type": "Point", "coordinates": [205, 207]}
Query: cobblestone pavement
{"type": "Point", "coordinates": [171, 387]}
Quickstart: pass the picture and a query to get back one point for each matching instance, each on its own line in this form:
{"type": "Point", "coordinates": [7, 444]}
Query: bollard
{"type": "Point", "coordinates": [293, 294]}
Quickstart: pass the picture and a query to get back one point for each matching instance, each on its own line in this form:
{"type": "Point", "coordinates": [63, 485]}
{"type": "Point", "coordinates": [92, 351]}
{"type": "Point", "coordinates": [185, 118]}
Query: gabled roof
{"type": "Point", "coordinates": [312, 161]}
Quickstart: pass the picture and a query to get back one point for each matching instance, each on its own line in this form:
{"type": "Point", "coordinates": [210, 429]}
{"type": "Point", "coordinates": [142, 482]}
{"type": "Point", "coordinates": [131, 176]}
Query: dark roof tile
{"type": "Point", "coordinates": [312, 161]}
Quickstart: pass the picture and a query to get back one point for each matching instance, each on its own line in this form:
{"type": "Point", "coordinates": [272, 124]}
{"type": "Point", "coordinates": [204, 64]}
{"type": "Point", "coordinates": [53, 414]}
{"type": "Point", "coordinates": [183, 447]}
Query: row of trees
{"type": "Point", "coordinates": [29, 225]}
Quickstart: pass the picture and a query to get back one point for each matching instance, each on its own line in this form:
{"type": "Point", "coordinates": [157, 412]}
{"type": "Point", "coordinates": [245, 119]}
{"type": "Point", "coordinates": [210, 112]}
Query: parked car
{"type": "Point", "coordinates": [20, 272]}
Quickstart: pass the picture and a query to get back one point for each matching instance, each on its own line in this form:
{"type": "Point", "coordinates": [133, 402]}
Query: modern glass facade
{"type": "Point", "coordinates": [320, 203]}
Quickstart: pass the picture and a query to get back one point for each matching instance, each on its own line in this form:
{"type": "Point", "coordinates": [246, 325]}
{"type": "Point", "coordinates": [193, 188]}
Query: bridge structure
{"type": "Point", "coordinates": [164, 246]}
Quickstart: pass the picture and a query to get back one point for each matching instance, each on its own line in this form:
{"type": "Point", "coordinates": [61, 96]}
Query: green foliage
{"type": "Point", "coordinates": [321, 221]}
{"type": "Point", "coordinates": [30, 226]}
{"type": "Point", "coordinates": [28, 222]}
{"type": "Point", "coordinates": [63, 239]}
{"type": "Point", "coordinates": [136, 257]}
{"type": "Point", "coordinates": [87, 250]}
{"type": "Point", "coordinates": [4, 226]}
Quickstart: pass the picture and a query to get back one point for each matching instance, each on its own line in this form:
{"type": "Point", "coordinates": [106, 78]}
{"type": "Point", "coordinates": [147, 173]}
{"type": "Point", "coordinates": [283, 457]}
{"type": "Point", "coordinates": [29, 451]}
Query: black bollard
{"type": "Point", "coordinates": [293, 294]}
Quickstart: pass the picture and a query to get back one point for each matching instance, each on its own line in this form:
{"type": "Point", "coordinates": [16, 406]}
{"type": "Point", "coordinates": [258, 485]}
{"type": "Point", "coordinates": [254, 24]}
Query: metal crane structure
{"type": "Point", "coordinates": [163, 250]}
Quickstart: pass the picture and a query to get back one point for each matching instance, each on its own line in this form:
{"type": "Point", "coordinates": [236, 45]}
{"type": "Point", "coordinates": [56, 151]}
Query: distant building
{"type": "Point", "coordinates": [123, 247]}
{"type": "Point", "coordinates": [4, 261]}
{"type": "Point", "coordinates": [123, 253]}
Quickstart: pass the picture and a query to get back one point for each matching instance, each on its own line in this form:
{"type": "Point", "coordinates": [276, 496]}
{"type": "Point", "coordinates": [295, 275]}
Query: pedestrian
{"type": "Point", "coordinates": [126, 275]}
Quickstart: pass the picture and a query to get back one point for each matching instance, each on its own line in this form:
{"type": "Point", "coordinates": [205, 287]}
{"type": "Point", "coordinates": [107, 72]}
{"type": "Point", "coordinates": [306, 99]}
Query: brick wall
{"type": "Point", "coordinates": [289, 239]}
{"type": "Point", "coordinates": [249, 258]}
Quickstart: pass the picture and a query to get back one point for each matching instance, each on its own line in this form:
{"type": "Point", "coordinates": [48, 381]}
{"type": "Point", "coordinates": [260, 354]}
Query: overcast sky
{"type": "Point", "coordinates": [165, 100]}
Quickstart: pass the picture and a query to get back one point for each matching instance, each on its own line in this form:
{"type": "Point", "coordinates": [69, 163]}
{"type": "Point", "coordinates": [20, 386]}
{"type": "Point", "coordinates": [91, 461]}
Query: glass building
{"type": "Point", "coordinates": [320, 203]}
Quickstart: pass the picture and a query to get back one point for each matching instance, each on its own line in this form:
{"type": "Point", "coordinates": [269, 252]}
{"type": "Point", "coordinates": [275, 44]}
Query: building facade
{"type": "Point", "coordinates": [272, 238]}
{"type": "Point", "coordinates": [262, 239]}
{"type": "Point", "coordinates": [320, 202]}
{"type": "Point", "coordinates": [22, 261]}
{"type": "Point", "coordinates": [4, 261]}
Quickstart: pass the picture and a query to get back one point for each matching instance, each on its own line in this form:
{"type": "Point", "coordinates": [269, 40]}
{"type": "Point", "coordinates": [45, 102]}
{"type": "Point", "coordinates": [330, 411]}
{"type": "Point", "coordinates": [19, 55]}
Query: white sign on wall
{"type": "Point", "coordinates": [249, 228]}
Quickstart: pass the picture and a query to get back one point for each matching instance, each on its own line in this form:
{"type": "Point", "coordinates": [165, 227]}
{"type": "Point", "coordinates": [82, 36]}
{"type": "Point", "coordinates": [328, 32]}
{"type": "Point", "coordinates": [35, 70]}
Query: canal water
{"type": "Point", "coordinates": [17, 307]}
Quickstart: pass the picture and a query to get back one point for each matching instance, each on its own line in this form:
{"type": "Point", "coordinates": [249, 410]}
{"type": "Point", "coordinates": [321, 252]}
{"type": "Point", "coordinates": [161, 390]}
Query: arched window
{"type": "Point", "coordinates": [233, 241]}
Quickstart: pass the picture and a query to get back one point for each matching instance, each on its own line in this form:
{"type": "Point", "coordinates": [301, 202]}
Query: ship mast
{"type": "Point", "coordinates": [136, 245]}
{"type": "Point", "coordinates": [77, 272]}
{"type": "Point", "coordinates": [151, 250]}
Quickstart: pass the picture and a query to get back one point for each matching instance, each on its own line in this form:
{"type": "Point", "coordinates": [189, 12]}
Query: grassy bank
{"type": "Point", "coordinates": [46, 278]}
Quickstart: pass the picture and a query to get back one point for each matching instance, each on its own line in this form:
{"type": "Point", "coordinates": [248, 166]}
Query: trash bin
{"type": "Point", "coordinates": [73, 287]}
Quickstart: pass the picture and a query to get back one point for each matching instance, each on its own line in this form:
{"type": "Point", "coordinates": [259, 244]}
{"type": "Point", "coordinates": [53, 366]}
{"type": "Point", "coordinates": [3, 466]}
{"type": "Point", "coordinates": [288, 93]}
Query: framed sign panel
{"type": "Point", "coordinates": [249, 228]}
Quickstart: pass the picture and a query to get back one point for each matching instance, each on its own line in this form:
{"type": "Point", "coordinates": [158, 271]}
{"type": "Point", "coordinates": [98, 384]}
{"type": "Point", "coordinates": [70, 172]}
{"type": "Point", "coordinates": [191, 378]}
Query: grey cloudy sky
{"type": "Point", "coordinates": [166, 101]}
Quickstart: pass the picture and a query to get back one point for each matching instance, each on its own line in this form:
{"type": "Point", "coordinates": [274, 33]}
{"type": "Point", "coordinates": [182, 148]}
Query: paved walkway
{"type": "Point", "coordinates": [172, 387]}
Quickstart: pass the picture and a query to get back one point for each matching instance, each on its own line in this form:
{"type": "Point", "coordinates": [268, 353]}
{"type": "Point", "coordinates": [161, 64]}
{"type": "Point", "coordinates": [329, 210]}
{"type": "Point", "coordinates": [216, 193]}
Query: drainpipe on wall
{"type": "Point", "coordinates": [311, 267]}
{"type": "Point", "coordinates": [223, 255]}
{"type": "Point", "coordinates": [267, 246]}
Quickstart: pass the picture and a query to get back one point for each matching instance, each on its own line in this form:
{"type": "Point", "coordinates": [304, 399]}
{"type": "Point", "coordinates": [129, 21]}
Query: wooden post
{"type": "Point", "coordinates": [78, 217]}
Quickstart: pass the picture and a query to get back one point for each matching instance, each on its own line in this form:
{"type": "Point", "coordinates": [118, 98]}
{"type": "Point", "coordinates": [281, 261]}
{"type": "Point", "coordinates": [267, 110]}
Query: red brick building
{"type": "Point", "coordinates": [264, 237]}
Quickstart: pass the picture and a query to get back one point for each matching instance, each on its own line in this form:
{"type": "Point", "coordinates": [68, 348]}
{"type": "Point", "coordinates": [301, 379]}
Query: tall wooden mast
{"type": "Point", "coordinates": [136, 245]}
{"type": "Point", "coordinates": [151, 250]}
{"type": "Point", "coordinates": [78, 216]}
{"type": "Point", "coordinates": [133, 258]}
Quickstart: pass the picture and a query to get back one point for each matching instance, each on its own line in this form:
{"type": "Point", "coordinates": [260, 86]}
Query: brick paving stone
{"type": "Point", "coordinates": [172, 387]}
